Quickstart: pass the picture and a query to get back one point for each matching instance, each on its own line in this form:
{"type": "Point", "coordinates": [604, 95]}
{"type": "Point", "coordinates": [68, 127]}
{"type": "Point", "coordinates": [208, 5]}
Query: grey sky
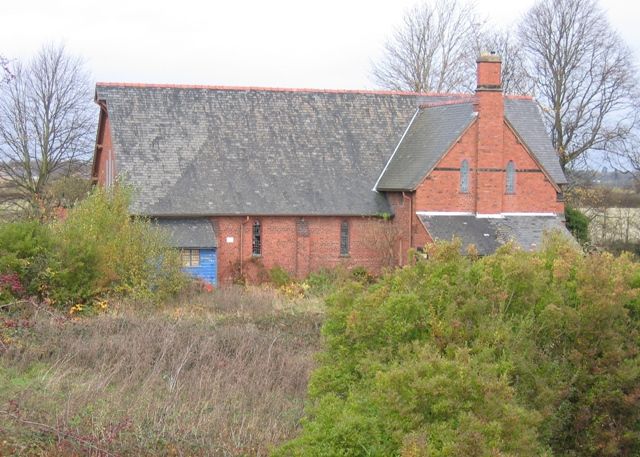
{"type": "Point", "coordinates": [327, 44]}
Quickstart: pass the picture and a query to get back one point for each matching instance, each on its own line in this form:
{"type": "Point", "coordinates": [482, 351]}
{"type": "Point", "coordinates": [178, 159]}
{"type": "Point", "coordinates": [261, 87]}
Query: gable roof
{"type": "Point", "coordinates": [432, 133]}
{"type": "Point", "coordinates": [524, 116]}
{"type": "Point", "coordinates": [192, 151]}
{"type": "Point", "coordinates": [487, 234]}
{"type": "Point", "coordinates": [436, 128]}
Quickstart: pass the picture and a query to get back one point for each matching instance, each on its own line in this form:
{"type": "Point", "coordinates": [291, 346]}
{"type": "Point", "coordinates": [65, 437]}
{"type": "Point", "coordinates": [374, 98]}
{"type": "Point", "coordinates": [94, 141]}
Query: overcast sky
{"type": "Point", "coordinates": [325, 44]}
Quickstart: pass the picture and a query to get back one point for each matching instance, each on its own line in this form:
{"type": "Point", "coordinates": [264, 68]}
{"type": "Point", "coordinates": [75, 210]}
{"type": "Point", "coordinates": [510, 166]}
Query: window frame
{"type": "Point", "coordinates": [256, 238]}
{"type": "Point", "coordinates": [345, 239]}
{"type": "Point", "coordinates": [192, 256]}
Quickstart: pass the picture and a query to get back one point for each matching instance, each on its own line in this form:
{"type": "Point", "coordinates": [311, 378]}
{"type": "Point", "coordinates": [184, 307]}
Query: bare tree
{"type": "Point", "coordinates": [583, 75]}
{"type": "Point", "coordinates": [5, 71]}
{"type": "Point", "coordinates": [515, 79]}
{"type": "Point", "coordinates": [433, 49]}
{"type": "Point", "coordinates": [46, 122]}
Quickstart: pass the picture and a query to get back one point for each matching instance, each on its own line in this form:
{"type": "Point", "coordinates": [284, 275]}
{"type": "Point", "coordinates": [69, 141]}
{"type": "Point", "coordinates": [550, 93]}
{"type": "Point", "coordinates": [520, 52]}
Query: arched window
{"type": "Point", "coordinates": [256, 245]}
{"type": "Point", "coordinates": [464, 177]}
{"type": "Point", "coordinates": [511, 177]}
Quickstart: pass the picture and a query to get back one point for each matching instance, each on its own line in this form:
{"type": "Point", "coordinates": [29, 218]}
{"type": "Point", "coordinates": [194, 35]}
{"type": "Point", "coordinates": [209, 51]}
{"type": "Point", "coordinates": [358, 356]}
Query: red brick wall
{"type": "Point", "coordinates": [489, 72]}
{"type": "Point", "coordinates": [440, 191]}
{"type": "Point", "coordinates": [299, 245]}
{"type": "Point", "coordinates": [534, 193]}
{"type": "Point", "coordinates": [491, 152]}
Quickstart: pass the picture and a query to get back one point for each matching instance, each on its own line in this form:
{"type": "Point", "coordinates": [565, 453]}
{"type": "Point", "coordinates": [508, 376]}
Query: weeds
{"type": "Point", "coordinates": [223, 373]}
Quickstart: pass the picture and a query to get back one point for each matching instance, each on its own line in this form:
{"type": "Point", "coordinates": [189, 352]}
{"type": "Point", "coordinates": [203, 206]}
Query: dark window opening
{"type": "Point", "coordinates": [256, 245]}
{"type": "Point", "coordinates": [464, 177]}
{"type": "Point", "coordinates": [511, 178]}
{"type": "Point", "coordinates": [344, 238]}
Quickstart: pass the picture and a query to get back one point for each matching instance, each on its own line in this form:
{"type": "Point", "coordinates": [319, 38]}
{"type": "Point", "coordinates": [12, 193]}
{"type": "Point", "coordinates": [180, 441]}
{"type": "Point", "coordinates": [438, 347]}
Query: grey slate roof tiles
{"type": "Point", "coordinates": [487, 234]}
{"type": "Point", "coordinates": [191, 151]}
{"type": "Point", "coordinates": [189, 233]}
{"type": "Point", "coordinates": [436, 128]}
{"type": "Point", "coordinates": [524, 116]}
{"type": "Point", "coordinates": [431, 134]}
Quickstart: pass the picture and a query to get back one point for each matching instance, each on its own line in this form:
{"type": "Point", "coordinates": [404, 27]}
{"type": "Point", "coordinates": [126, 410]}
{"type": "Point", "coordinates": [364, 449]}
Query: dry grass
{"type": "Point", "coordinates": [220, 374]}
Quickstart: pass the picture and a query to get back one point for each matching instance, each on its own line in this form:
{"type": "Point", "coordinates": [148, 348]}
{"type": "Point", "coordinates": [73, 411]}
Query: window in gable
{"type": "Point", "coordinates": [511, 178]}
{"type": "Point", "coordinates": [464, 177]}
{"type": "Point", "coordinates": [256, 245]}
{"type": "Point", "coordinates": [190, 257]}
{"type": "Point", "coordinates": [344, 238]}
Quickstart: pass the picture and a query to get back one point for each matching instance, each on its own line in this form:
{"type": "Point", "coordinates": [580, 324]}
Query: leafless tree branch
{"type": "Point", "coordinates": [432, 51]}
{"type": "Point", "coordinates": [46, 121]}
{"type": "Point", "coordinates": [583, 75]}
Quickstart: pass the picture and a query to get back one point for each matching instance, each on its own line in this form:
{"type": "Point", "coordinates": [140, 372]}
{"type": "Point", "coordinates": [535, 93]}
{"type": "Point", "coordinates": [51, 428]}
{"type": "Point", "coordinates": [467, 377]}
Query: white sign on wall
{"type": "Point", "coordinates": [229, 239]}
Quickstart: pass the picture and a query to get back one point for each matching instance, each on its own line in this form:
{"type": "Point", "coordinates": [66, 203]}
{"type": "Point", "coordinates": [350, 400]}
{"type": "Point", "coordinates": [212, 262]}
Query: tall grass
{"type": "Point", "coordinates": [221, 374]}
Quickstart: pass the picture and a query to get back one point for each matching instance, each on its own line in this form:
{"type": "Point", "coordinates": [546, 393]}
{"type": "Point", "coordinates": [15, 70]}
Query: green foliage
{"type": "Point", "coordinates": [98, 250]}
{"type": "Point", "coordinates": [114, 252]}
{"type": "Point", "coordinates": [279, 276]}
{"type": "Point", "coordinates": [513, 354]}
{"type": "Point", "coordinates": [24, 248]}
{"type": "Point", "coordinates": [577, 223]}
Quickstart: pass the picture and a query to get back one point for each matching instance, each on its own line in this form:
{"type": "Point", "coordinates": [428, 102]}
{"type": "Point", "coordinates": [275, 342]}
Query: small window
{"type": "Point", "coordinates": [511, 177]}
{"type": "Point", "coordinates": [256, 245]}
{"type": "Point", "coordinates": [190, 257]}
{"type": "Point", "coordinates": [344, 238]}
{"type": "Point", "coordinates": [464, 177]}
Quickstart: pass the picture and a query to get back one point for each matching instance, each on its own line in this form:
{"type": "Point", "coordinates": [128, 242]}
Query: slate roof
{"type": "Point", "coordinates": [524, 116]}
{"type": "Point", "coordinates": [436, 128]}
{"type": "Point", "coordinates": [487, 234]}
{"type": "Point", "coordinates": [193, 151]}
{"type": "Point", "coordinates": [189, 233]}
{"type": "Point", "coordinates": [431, 134]}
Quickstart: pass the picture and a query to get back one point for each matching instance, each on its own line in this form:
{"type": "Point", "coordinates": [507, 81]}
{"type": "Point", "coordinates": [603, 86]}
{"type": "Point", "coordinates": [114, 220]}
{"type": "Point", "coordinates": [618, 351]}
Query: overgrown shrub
{"type": "Point", "coordinates": [24, 249]}
{"type": "Point", "coordinates": [105, 250]}
{"type": "Point", "coordinates": [97, 250]}
{"type": "Point", "coordinates": [279, 276]}
{"type": "Point", "coordinates": [513, 354]}
{"type": "Point", "coordinates": [577, 223]}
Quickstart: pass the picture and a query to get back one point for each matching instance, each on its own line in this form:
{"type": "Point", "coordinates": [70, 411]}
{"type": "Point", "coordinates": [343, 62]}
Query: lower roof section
{"type": "Point", "coordinates": [189, 233]}
{"type": "Point", "coordinates": [489, 233]}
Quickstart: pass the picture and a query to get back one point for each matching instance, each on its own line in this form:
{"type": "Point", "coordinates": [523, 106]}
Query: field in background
{"type": "Point", "coordinates": [220, 374]}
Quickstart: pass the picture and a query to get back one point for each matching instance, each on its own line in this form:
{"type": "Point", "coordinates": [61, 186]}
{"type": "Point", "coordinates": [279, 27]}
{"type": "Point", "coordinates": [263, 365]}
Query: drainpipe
{"type": "Point", "coordinates": [404, 196]}
{"type": "Point", "coordinates": [242, 224]}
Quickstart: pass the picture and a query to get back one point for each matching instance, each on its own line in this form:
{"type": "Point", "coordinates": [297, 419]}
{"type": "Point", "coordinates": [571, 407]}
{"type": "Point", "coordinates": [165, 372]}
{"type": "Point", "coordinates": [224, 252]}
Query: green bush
{"type": "Point", "coordinates": [577, 223]}
{"type": "Point", "coordinates": [98, 250]}
{"type": "Point", "coordinates": [24, 249]}
{"type": "Point", "coordinates": [279, 277]}
{"type": "Point", "coordinates": [513, 354]}
{"type": "Point", "coordinates": [102, 250]}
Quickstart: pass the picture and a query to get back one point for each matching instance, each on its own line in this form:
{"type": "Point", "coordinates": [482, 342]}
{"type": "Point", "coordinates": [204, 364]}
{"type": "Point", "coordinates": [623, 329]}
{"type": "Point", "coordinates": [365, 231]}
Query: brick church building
{"type": "Point", "coordinates": [245, 178]}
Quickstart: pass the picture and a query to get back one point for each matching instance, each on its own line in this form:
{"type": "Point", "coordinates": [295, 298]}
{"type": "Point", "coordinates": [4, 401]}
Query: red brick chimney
{"type": "Point", "coordinates": [490, 108]}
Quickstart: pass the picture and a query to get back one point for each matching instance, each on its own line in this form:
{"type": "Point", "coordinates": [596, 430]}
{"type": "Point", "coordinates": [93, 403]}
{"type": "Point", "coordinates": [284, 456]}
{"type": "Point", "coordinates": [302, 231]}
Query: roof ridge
{"type": "Point", "coordinates": [461, 101]}
{"type": "Point", "coordinates": [466, 98]}
{"type": "Point", "coordinates": [518, 97]}
{"type": "Point", "coordinates": [281, 89]}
